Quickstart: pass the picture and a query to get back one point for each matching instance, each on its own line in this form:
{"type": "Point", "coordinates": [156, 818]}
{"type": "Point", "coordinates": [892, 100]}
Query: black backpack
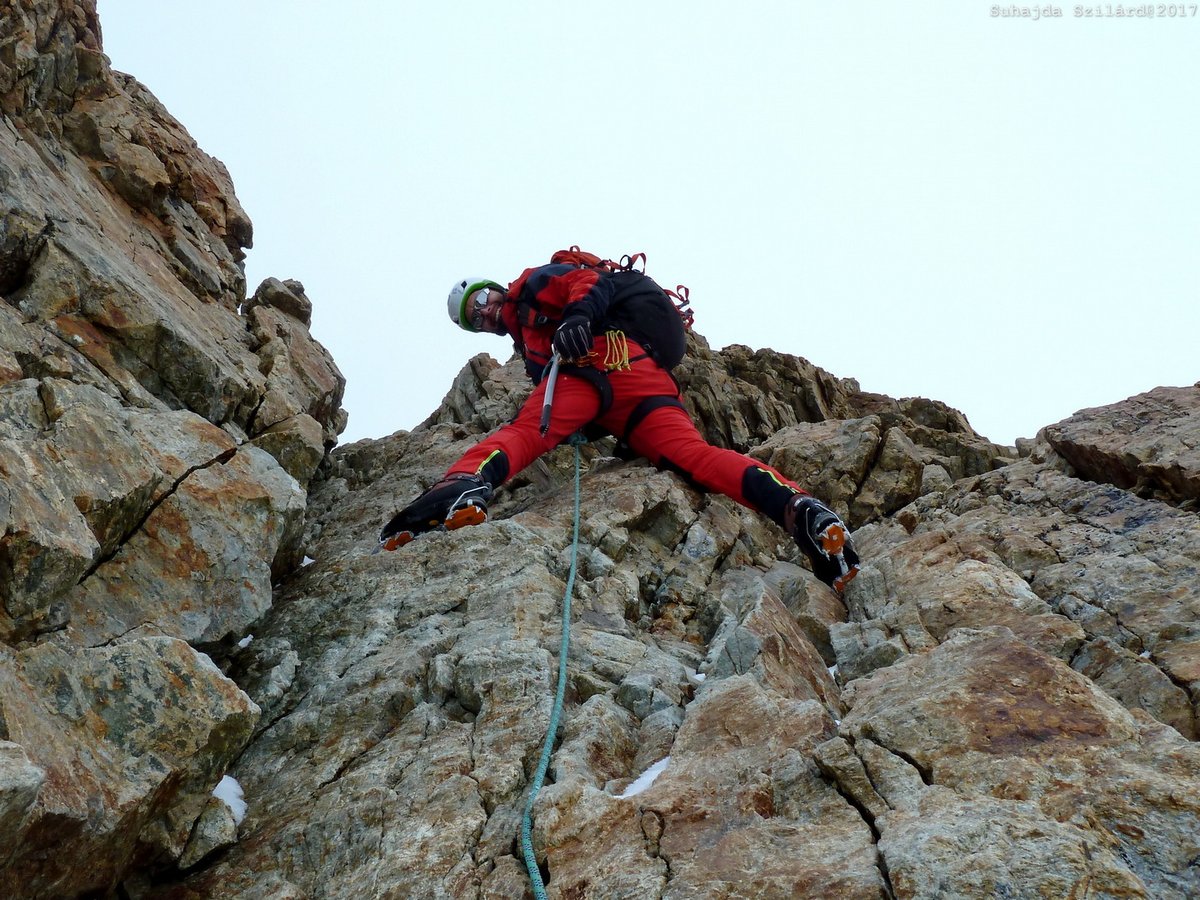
{"type": "Point", "coordinates": [655, 317]}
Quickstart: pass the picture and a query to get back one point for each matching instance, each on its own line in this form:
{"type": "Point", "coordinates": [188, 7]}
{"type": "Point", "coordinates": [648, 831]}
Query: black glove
{"type": "Point", "coordinates": [573, 340]}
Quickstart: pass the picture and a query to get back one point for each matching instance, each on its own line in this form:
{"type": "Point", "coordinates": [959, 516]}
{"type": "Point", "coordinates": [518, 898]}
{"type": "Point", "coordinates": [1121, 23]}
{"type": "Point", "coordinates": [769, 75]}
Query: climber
{"type": "Point", "coordinates": [616, 346]}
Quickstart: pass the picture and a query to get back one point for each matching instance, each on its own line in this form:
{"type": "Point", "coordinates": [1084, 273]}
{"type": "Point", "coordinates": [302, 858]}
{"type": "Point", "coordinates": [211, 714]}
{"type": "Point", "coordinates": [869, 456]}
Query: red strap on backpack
{"type": "Point", "coordinates": [681, 297]}
{"type": "Point", "coordinates": [576, 257]}
{"type": "Point", "coordinates": [629, 263]}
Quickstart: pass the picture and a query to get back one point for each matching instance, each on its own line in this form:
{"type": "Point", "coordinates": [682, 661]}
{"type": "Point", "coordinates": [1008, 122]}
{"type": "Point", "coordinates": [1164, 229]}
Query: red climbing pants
{"type": "Point", "coordinates": [665, 435]}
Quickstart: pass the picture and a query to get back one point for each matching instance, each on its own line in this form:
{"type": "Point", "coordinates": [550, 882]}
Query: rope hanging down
{"type": "Point", "coordinates": [535, 875]}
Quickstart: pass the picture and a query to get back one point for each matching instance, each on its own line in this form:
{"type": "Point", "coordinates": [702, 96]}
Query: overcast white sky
{"type": "Point", "coordinates": [996, 212]}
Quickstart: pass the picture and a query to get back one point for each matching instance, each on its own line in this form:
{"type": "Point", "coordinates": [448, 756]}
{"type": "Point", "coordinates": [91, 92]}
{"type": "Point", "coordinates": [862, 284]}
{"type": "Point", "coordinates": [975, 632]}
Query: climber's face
{"type": "Point", "coordinates": [485, 306]}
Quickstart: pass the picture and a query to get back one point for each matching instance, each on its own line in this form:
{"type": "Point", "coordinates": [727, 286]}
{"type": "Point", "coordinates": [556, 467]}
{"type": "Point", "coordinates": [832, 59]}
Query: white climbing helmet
{"type": "Point", "coordinates": [456, 303]}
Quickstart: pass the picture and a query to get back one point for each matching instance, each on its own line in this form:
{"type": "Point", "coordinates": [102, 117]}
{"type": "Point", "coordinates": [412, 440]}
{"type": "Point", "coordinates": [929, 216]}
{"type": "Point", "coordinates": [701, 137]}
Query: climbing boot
{"type": "Point", "coordinates": [453, 502]}
{"type": "Point", "coordinates": [824, 538]}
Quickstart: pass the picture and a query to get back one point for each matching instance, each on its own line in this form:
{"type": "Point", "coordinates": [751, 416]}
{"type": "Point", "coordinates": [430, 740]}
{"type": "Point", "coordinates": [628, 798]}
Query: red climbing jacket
{"type": "Point", "coordinates": [627, 301]}
{"type": "Point", "coordinates": [620, 387]}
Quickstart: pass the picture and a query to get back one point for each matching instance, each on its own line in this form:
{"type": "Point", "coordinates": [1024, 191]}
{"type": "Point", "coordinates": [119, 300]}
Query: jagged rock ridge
{"type": "Point", "coordinates": [1003, 705]}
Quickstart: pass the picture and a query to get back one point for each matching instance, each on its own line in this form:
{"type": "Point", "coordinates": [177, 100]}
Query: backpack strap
{"type": "Point", "coordinates": [530, 315]}
{"type": "Point", "coordinates": [629, 263]}
{"type": "Point", "coordinates": [681, 297]}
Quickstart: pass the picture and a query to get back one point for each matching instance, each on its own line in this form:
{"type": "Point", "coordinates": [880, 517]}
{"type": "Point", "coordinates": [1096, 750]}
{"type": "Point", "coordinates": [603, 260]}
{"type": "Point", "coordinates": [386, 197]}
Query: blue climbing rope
{"type": "Point", "coordinates": [535, 875]}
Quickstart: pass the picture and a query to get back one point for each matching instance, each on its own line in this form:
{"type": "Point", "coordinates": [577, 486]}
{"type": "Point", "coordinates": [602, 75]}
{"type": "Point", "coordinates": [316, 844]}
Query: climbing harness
{"type": "Point", "coordinates": [535, 875]}
{"type": "Point", "coordinates": [616, 359]}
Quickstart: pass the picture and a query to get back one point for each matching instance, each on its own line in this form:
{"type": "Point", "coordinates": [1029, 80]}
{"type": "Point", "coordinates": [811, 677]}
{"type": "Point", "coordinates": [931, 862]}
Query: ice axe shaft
{"type": "Point", "coordinates": [549, 401]}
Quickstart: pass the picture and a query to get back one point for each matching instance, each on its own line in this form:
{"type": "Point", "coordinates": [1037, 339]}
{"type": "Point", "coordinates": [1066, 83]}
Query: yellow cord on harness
{"type": "Point", "coordinates": [616, 357]}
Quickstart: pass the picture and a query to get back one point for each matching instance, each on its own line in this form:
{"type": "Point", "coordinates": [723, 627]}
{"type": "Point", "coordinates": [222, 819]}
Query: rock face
{"type": "Point", "coordinates": [1003, 704]}
{"type": "Point", "coordinates": [1146, 445]}
{"type": "Point", "coordinates": [158, 432]}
